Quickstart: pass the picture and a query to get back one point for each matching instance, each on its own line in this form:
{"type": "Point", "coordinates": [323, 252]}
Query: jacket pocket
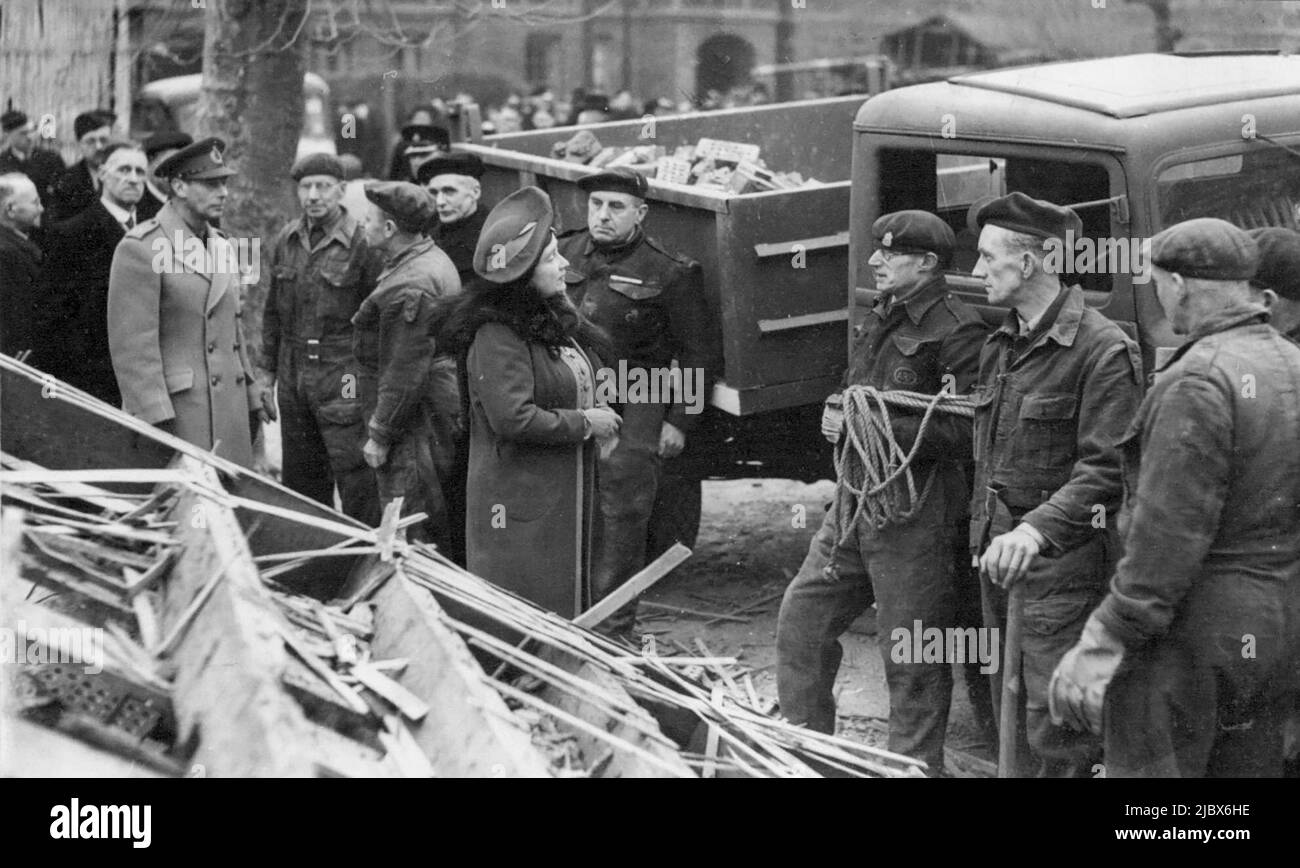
{"type": "Point", "coordinates": [179, 380]}
{"type": "Point", "coordinates": [343, 431]}
{"type": "Point", "coordinates": [634, 288]}
{"type": "Point", "coordinates": [916, 367]}
{"type": "Point", "coordinates": [1058, 613]}
{"type": "Point", "coordinates": [1047, 429]}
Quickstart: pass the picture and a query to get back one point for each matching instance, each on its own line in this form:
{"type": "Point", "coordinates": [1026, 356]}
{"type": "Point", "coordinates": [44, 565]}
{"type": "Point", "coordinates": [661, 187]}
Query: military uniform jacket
{"type": "Point", "coordinates": [926, 343]}
{"type": "Point", "coordinates": [1051, 408]}
{"type": "Point", "coordinates": [1211, 521]}
{"type": "Point", "coordinates": [459, 239]}
{"type": "Point", "coordinates": [650, 301]}
{"type": "Point", "coordinates": [393, 339]}
{"type": "Point", "coordinates": [315, 292]}
{"type": "Point", "coordinates": [175, 335]}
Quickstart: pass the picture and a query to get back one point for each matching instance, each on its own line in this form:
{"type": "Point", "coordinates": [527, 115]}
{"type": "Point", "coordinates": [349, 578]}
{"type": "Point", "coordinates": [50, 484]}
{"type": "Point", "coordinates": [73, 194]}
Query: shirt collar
{"type": "Point", "coordinates": [1060, 322]}
{"type": "Point", "coordinates": [610, 250]}
{"type": "Point", "coordinates": [120, 214]}
{"type": "Point", "coordinates": [918, 302]}
{"type": "Point", "coordinates": [409, 253]}
{"type": "Point", "coordinates": [340, 229]}
{"type": "Point", "coordinates": [1234, 315]}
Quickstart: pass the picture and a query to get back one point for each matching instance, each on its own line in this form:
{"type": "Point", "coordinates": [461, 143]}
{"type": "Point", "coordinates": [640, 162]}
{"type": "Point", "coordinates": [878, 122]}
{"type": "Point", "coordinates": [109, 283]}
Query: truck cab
{"type": "Point", "coordinates": [1133, 144]}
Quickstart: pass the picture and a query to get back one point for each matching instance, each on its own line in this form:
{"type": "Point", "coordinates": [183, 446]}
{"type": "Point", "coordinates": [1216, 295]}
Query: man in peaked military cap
{"type": "Point", "coordinates": [917, 337]}
{"type": "Point", "coordinates": [174, 319]}
{"type": "Point", "coordinates": [20, 153]}
{"type": "Point", "coordinates": [453, 181]}
{"type": "Point", "coordinates": [157, 148]}
{"type": "Point", "coordinates": [1194, 649]}
{"type": "Point", "coordinates": [393, 343]}
{"type": "Point", "coordinates": [1058, 385]}
{"type": "Point", "coordinates": [652, 304]}
{"type": "Point", "coordinates": [321, 270]}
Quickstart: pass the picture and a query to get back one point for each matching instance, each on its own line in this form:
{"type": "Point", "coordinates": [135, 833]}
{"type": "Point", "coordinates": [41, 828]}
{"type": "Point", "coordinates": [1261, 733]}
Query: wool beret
{"type": "Point", "coordinates": [619, 180]}
{"type": "Point", "coordinates": [164, 141]}
{"type": "Point", "coordinates": [1020, 213]}
{"type": "Point", "coordinates": [450, 164]}
{"type": "Point", "coordinates": [914, 232]}
{"type": "Point", "coordinates": [12, 120]}
{"type": "Point", "coordinates": [317, 164]}
{"type": "Point", "coordinates": [514, 235]}
{"type": "Point", "coordinates": [1206, 248]}
{"type": "Point", "coordinates": [409, 205]}
{"type": "Point", "coordinates": [200, 161]}
{"type": "Point", "coordinates": [1279, 261]}
{"type": "Point", "coordinates": [92, 120]}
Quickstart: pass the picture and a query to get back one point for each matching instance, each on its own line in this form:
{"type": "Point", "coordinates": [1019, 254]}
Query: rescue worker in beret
{"type": "Point", "coordinates": [651, 303]}
{"type": "Point", "coordinates": [158, 148]}
{"type": "Point", "coordinates": [174, 319]}
{"type": "Point", "coordinates": [321, 270]}
{"type": "Point", "coordinates": [1193, 651]}
{"type": "Point", "coordinates": [917, 337]}
{"type": "Point", "coordinates": [1059, 384]}
{"type": "Point", "coordinates": [394, 344]}
{"type": "Point", "coordinates": [1278, 277]}
{"type": "Point", "coordinates": [453, 181]}
{"type": "Point", "coordinates": [535, 424]}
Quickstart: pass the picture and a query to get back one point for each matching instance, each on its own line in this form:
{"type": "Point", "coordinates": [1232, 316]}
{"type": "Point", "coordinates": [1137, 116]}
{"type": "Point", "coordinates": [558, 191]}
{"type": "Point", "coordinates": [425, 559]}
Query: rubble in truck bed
{"type": "Point", "coordinates": [233, 628]}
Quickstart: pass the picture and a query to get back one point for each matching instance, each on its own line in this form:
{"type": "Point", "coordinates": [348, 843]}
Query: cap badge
{"type": "Point", "coordinates": [216, 155]}
{"type": "Point", "coordinates": [887, 240]}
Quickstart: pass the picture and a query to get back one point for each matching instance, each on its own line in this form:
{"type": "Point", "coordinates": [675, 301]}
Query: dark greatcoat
{"type": "Point", "coordinates": [531, 472]}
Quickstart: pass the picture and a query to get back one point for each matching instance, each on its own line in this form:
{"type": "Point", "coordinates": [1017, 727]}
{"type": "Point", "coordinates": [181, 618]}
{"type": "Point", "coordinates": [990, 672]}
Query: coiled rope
{"type": "Point", "coordinates": [874, 482]}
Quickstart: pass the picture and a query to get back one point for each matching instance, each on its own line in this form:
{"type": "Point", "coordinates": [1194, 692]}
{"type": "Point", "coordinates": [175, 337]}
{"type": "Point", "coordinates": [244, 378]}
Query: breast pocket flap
{"type": "Point", "coordinates": [1048, 407]}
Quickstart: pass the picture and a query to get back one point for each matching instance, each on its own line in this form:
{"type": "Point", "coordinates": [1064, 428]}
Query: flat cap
{"type": "Point", "coordinates": [619, 180]}
{"type": "Point", "coordinates": [1279, 261]}
{"type": "Point", "coordinates": [317, 164]}
{"type": "Point", "coordinates": [1206, 248]}
{"type": "Point", "coordinates": [166, 141]}
{"type": "Point", "coordinates": [914, 232]}
{"type": "Point", "coordinates": [450, 164]}
{"type": "Point", "coordinates": [514, 235]}
{"type": "Point", "coordinates": [200, 161]}
{"type": "Point", "coordinates": [410, 205]}
{"type": "Point", "coordinates": [12, 120]}
{"type": "Point", "coordinates": [427, 133]}
{"type": "Point", "coordinates": [92, 120]}
{"type": "Point", "coordinates": [1030, 216]}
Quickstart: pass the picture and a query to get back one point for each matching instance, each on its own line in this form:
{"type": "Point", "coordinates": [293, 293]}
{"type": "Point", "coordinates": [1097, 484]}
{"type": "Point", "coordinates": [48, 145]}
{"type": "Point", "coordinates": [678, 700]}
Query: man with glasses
{"type": "Point", "coordinates": [321, 270]}
{"type": "Point", "coordinates": [917, 337]}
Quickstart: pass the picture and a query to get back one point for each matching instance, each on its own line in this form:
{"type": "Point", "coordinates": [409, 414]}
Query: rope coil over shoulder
{"type": "Point", "coordinates": [873, 476]}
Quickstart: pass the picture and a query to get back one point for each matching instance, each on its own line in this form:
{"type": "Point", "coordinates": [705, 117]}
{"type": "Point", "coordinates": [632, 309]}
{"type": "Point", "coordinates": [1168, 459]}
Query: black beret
{"type": "Point", "coordinates": [1206, 248]}
{"type": "Point", "coordinates": [92, 120]}
{"type": "Point", "coordinates": [619, 180]}
{"type": "Point", "coordinates": [914, 232]}
{"type": "Point", "coordinates": [409, 205]}
{"type": "Point", "coordinates": [317, 164]}
{"type": "Point", "coordinates": [450, 164]}
{"type": "Point", "coordinates": [200, 161]}
{"type": "Point", "coordinates": [1279, 261]}
{"type": "Point", "coordinates": [514, 235]}
{"type": "Point", "coordinates": [12, 120]}
{"type": "Point", "coordinates": [427, 133]}
{"type": "Point", "coordinates": [166, 140]}
{"type": "Point", "coordinates": [1020, 213]}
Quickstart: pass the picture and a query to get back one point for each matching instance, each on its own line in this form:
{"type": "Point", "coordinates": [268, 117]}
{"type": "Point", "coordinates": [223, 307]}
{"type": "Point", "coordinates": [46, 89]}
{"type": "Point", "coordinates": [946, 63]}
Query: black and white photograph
{"type": "Point", "coordinates": [652, 389]}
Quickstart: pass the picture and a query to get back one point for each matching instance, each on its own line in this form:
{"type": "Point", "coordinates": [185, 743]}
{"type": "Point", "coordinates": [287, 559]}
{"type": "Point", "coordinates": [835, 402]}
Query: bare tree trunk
{"type": "Point", "coordinates": [252, 98]}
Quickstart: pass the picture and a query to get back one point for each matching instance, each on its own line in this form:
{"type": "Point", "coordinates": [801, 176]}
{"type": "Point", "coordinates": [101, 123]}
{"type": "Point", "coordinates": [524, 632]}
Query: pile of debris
{"type": "Point", "coordinates": [712, 164]}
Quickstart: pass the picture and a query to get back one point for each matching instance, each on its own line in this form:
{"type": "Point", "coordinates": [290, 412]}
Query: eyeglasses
{"type": "Point", "coordinates": [890, 255]}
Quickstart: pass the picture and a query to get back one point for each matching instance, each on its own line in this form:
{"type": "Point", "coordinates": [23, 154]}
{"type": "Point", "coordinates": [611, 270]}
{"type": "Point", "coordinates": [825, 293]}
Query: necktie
{"type": "Point", "coordinates": [130, 221]}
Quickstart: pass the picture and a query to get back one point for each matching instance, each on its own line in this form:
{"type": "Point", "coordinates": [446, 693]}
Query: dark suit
{"type": "Point", "coordinates": [42, 166]}
{"type": "Point", "coordinates": [148, 206]}
{"type": "Point", "coordinates": [80, 257]}
{"type": "Point", "coordinates": [74, 192]}
{"type": "Point", "coordinates": [20, 287]}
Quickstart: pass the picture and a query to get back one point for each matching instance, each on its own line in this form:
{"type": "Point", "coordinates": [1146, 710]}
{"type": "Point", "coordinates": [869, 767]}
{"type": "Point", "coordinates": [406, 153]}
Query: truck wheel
{"type": "Point", "coordinates": [676, 515]}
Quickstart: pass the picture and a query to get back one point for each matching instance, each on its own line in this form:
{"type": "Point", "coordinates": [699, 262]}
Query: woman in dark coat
{"type": "Point", "coordinates": [530, 363]}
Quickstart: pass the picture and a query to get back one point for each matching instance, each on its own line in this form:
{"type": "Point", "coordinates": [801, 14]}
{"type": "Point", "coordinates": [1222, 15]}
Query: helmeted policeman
{"type": "Point", "coordinates": [1194, 649]}
{"type": "Point", "coordinates": [322, 269]}
{"type": "Point", "coordinates": [393, 343]}
{"type": "Point", "coordinates": [652, 304]}
{"type": "Point", "coordinates": [917, 337]}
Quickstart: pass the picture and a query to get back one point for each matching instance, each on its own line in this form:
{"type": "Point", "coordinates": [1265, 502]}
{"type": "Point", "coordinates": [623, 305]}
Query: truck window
{"type": "Point", "coordinates": [1254, 189]}
{"type": "Point", "coordinates": [947, 184]}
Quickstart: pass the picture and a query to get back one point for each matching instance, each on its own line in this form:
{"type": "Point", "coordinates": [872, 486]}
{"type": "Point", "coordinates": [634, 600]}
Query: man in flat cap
{"type": "Point", "coordinates": [78, 187]}
{"type": "Point", "coordinates": [1278, 277]}
{"type": "Point", "coordinates": [651, 302]}
{"type": "Point", "coordinates": [1193, 652]}
{"type": "Point", "coordinates": [394, 345]}
{"type": "Point", "coordinates": [917, 337]}
{"type": "Point", "coordinates": [79, 253]}
{"type": "Point", "coordinates": [1059, 384]}
{"type": "Point", "coordinates": [158, 148]}
{"type": "Point", "coordinates": [453, 181]}
{"type": "Point", "coordinates": [20, 152]}
{"type": "Point", "coordinates": [321, 271]}
{"type": "Point", "coordinates": [174, 318]}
